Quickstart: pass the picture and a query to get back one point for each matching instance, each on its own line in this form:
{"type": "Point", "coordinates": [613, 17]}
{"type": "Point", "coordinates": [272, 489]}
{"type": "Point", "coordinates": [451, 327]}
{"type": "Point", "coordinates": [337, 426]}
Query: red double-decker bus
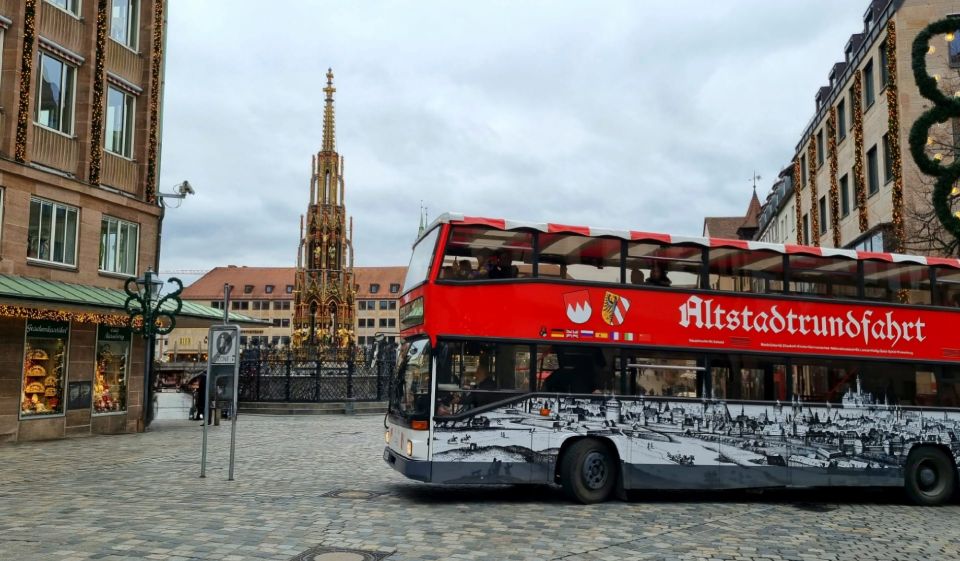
{"type": "Point", "coordinates": [606, 360]}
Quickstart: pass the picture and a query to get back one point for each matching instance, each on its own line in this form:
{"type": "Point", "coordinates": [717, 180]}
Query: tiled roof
{"type": "Point", "coordinates": [382, 276]}
{"type": "Point", "coordinates": [722, 226]}
{"type": "Point", "coordinates": [753, 213]}
{"type": "Point", "coordinates": [210, 286]}
{"type": "Point", "coordinates": [110, 300]}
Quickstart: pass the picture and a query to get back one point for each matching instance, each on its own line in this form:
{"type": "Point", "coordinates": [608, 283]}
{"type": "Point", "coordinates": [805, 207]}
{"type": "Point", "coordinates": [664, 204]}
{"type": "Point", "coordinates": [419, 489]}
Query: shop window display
{"type": "Point", "coordinates": [44, 368]}
{"type": "Point", "coordinates": [110, 378]}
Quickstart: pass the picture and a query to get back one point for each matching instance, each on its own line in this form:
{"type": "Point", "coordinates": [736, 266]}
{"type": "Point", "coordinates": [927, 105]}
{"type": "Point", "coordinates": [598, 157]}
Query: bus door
{"type": "Point", "coordinates": [474, 438]}
{"type": "Point", "coordinates": [754, 437]}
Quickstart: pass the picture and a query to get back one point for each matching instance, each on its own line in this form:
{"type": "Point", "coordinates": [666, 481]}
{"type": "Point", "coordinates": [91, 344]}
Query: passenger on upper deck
{"type": "Point", "coordinates": [636, 276]}
{"type": "Point", "coordinates": [658, 274]}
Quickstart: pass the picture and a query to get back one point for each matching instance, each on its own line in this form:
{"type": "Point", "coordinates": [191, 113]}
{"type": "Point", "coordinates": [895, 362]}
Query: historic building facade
{"type": "Point", "coordinates": [81, 92]}
{"type": "Point", "coordinates": [267, 294]}
{"type": "Point", "coordinates": [852, 182]}
{"type": "Point", "coordinates": [323, 308]}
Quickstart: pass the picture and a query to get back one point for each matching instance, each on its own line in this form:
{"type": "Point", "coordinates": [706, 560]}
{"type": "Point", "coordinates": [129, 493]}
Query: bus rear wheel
{"type": "Point", "coordinates": [930, 478]}
{"type": "Point", "coordinates": [588, 471]}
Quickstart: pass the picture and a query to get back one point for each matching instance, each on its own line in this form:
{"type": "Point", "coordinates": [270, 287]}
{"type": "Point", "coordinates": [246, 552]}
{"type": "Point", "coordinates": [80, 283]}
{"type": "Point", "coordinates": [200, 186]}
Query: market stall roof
{"type": "Point", "coordinates": [32, 292]}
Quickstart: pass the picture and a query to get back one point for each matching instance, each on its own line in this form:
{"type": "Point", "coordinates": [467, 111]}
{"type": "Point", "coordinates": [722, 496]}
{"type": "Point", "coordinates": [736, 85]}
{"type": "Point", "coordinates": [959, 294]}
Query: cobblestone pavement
{"type": "Point", "coordinates": [139, 497]}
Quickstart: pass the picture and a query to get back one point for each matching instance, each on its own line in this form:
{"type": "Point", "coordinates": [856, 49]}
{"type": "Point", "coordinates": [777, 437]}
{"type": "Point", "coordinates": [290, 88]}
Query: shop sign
{"type": "Point", "coordinates": [113, 334]}
{"type": "Point", "coordinates": [47, 329]}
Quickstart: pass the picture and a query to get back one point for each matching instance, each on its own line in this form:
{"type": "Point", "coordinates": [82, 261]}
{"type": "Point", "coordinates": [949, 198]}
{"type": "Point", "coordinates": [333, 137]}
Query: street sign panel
{"type": "Point", "coordinates": [224, 341]}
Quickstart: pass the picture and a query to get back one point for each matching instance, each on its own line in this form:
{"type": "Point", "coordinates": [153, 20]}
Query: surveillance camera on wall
{"type": "Point", "coordinates": [186, 189]}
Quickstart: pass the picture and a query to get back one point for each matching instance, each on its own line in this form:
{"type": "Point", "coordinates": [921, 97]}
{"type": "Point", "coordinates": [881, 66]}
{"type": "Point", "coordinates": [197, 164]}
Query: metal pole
{"type": "Point", "coordinates": [151, 352]}
{"type": "Point", "coordinates": [206, 415]}
{"type": "Point", "coordinates": [147, 364]}
{"type": "Point", "coordinates": [233, 424]}
{"type": "Point", "coordinates": [233, 410]}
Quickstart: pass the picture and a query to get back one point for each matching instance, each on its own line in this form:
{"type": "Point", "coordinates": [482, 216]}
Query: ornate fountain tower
{"type": "Point", "coordinates": [324, 289]}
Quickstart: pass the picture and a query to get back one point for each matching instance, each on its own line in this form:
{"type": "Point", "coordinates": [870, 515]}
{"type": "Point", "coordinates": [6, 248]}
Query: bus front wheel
{"type": "Point", "coordinates": [930, 478]}
{"type": "Point", "coordinates": [588, 471]}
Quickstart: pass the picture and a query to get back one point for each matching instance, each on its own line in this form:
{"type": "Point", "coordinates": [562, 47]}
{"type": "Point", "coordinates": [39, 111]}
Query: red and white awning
{"type": "Point", "coordinates": [633, 235]}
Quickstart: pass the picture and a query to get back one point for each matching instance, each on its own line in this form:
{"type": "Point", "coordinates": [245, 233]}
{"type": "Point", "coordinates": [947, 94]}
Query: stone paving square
{"type": "Point", "coordinates": [304, 482]}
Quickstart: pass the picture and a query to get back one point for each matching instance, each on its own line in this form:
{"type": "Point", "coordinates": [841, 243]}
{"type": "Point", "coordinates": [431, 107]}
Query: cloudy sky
{"type": "Point", "coordinates": [635, 115]}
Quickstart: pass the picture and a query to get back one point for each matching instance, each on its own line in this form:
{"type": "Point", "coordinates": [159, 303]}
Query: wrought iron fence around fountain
{"type": "Point", "coordinates": [310, 376]}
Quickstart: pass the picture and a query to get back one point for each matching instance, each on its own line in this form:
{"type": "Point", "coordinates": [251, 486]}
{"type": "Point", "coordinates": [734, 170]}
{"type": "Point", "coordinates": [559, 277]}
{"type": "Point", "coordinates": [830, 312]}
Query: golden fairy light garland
{"type": "Point", "coordinates": [97, 122]}
{"type": "Point", "coordinates": [834, 187]}
{"type": "Point", "coordinates": [22, 312]}
{"type": "Point", "coordinates": [797, 199]}
{"type": "Point", "coordinates": [858, 180]}
{"type": "Point", "coordinates": [812, 179]}
{"type": "Point", "coordinates": [893, 138]}
{"type": "Point", "coordinates": [26, 75]}
{"type": "Point", "coordinates": [149, 191]}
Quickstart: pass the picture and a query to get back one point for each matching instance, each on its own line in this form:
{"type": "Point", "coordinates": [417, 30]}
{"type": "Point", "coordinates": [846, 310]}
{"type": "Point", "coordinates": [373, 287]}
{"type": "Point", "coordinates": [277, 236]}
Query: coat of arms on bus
{"type": "Point", "coordinates": [578, 306]}
{"type": "Point", "coordinates": [614, 308]}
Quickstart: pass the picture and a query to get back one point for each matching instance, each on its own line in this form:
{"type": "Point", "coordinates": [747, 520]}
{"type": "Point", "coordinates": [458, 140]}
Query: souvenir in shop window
{"type": "Point", "coordinates": [110, 378]}
{"type": "Point", "coordinates": [44, 368]}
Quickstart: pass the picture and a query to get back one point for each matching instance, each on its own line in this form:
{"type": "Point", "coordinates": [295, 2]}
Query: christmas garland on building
{"type": "Point", "coordinates": [834, 187]}
{"type": "Point", "coordinates": [812, 179]}
{"type": "Point", "coordinates": [797, 199]}
{"type": "Point", "coordinates": [97, 122]}
{"type": "Point", "coordinates": [944, 108]}
{"type": "Point", "coordinates": [859, 182]}
{"type": "Point", "coordinates": [26, 75]}
{"type": "Point", "coordinates": [22, 312]}
{"type": "Point", "coordinates": [156, 64]}
{"type": "Point", "coordinates": [893, 139]}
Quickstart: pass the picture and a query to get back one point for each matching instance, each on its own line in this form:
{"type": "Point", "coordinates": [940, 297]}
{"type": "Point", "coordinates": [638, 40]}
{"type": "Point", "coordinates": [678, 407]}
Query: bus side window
{"type": "Point", "coordinates": [739, 270]}
{"type": "Point", "coordinates": [663, 374]}
{"type": "Point", "coordinates": [948, 388]}
{"type": "Point", "coordinates": [904, 283]}
{"type": "Point", "coordinates": [948, 287]}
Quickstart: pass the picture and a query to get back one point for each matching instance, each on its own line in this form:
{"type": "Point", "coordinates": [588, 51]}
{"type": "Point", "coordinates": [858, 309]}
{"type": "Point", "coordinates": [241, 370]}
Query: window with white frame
{"type": "Point", "coordinates": [72, 6]}
{"type": "Point", "coordinates": [119, 134]}
{"type": "Point", "coordinates": [119, 242]}
{"type": "Point", "coordinates": [52, 235]}
{"type": "Point", "coordinates": [124, 16]}
{"type": "Point", "coordinates": [56, 94]}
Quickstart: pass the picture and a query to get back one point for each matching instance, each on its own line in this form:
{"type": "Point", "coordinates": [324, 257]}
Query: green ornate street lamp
{"type": "Point", "coordinates": [149, 318]}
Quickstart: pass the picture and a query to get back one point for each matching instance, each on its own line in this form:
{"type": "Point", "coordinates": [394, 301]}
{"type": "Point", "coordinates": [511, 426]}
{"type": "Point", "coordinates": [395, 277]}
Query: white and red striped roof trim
{"type": "Point", "coordinates": [633, 235]}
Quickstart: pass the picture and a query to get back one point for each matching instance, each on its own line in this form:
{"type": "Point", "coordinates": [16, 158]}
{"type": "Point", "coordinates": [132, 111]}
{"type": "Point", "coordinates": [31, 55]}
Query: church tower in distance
{"type": "Point", "coordinates": [324, 288]}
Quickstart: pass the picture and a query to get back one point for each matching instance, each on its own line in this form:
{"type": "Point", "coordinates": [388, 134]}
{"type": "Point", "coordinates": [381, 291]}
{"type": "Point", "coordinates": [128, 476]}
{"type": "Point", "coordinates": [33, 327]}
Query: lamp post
{"type": "Point", "coordinates": [148, 317]}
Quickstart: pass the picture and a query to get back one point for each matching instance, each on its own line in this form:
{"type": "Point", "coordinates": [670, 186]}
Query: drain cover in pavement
{"type": "Point", "coordinates": [351, 494]}
{"type": "Point", "coordinates": [322, 553]}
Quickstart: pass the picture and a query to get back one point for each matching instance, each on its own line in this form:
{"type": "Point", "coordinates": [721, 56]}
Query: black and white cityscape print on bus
{"type": "Point", "coordinates": [858, 433]}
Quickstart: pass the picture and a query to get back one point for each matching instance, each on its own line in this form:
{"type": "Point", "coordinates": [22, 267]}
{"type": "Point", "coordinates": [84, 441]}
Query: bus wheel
{"type": "Point", "coordinates": [588, 471]}
{"type": "Point", "coordinates": [929, 477]}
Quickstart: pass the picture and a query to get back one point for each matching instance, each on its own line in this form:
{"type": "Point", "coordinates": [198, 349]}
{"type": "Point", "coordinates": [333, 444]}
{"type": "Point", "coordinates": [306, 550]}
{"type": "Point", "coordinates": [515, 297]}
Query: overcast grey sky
{"type": "Point", "coordinates": [640, 115]}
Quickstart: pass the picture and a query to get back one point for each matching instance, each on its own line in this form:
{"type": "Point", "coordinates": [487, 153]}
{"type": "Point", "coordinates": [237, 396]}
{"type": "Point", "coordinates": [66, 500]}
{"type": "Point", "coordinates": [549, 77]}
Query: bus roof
{"type": "Point", "coordinates": [633, 235]}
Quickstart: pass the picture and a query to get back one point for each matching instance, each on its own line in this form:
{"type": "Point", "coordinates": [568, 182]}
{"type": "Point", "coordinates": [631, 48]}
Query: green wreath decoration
{"type": "Point", "coordinates": [944, 108]}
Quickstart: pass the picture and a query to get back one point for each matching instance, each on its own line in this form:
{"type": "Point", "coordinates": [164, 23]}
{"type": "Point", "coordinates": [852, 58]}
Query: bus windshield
{"type": "Point", "coordinates": [420, 261]}
{"type": "Point", "coordinates": [412, 395]}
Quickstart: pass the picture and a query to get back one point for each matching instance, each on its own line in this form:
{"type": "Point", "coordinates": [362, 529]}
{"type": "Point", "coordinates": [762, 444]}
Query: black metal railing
{"type": "Point", "coordinates": [309, 376]}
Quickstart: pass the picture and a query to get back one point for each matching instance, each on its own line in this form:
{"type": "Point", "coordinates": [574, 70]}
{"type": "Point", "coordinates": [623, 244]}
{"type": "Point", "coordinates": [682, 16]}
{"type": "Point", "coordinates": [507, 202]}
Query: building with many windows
{"type": "Point", "coordinates": [852, 182]}
{"type": "Point", "coordinates": [80, 91]}
{"type": "Point", "coordinates": [267, 293]}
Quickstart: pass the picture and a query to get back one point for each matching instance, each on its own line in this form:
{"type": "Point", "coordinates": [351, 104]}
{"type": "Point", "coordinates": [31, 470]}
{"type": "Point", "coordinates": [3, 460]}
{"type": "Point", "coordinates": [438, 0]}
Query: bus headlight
{"type": "Point", "coordinates": [410, 448]}
{"type": "Point", "coordinates": [386, 436]}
